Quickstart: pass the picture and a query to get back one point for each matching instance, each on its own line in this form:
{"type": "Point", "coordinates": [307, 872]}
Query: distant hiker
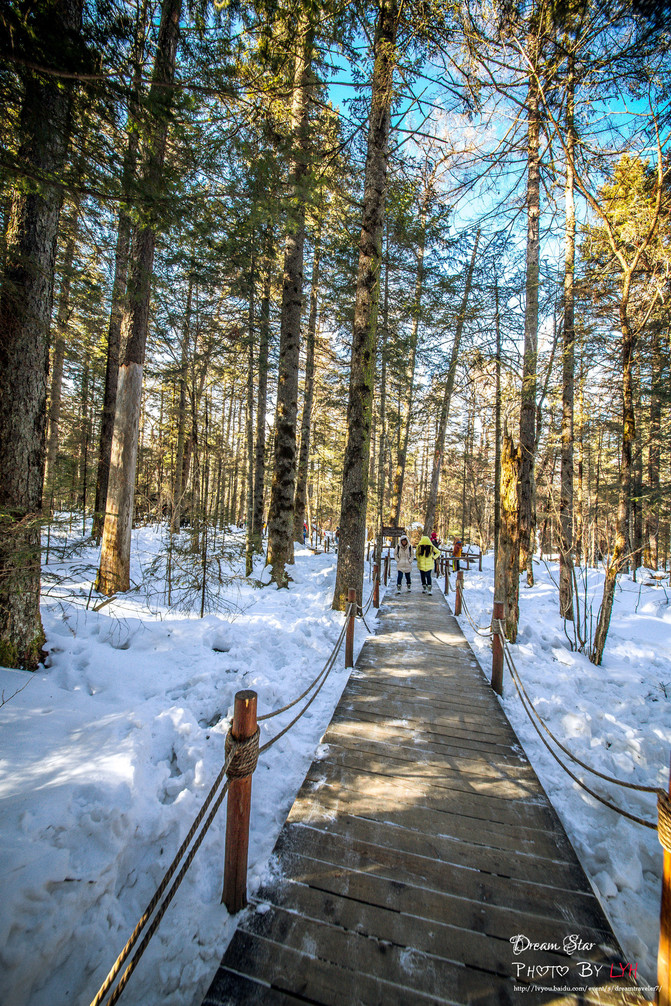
{"type": "Point", "coordinates": [426, 557]}
{"type": "Point", "coordinates": [457, 549]}
{"type": "Point", "coordinates": [403, 562]}
{"type": "Point", "coordinates": [435, 541]}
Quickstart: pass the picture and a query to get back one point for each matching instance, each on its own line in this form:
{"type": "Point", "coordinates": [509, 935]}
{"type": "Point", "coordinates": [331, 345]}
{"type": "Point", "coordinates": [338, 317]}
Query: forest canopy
{"type": "Point", "coordinates": [341, 265]}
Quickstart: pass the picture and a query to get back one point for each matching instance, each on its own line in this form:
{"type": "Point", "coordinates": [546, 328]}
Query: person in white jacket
{"type": "Point", "coordinates": [403, 562]}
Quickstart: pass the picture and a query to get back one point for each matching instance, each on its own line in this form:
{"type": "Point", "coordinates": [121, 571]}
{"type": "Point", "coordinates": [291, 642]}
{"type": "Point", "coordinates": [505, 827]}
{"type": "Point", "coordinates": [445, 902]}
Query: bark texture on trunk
{"type": "Point", "coordinates": [58, 358]}
{"type": "Point", "coordinates": [281, 511]}
{"type": "Point", "coordinates": [352, 544]}
{"type": "Point", "coordinates": [568, 366]}
{"type": "Point", "coordinates": [306, 418]}
{"type": "Point", "coordinates": [654, 455]}
{"type": "Point", "coordinates": [507, 582]}
{"type": "Point", "coordinates": [111, 371]}
{"type": "Point", "coordinates": [406, 417]}
{"type": "Point", "coordinates": [118, 288]}
{"type": "Point", "coordinates": [114, 572]}
{"type": "Point", "coordinates": [619, 554]}
{"type": "Point", "coordinates": [497, 431]}
{"type": "Point", "coordinates": [25, 310]}
{"type": "Point", "coordinates": [249, 424]}
{"type": "Point", "coordinates": [528, 407]}
{"type": "Point", "coordinates": [262, 398]}
{"type": "Point", "coordinates": [439, 450]}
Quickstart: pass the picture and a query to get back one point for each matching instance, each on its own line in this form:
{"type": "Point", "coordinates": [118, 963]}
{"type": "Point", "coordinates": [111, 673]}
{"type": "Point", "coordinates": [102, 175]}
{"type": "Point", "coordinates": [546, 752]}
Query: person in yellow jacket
{"type": "Point", "coordinates": [427, 553]}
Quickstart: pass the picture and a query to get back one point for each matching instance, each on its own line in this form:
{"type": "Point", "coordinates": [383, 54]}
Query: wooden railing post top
{"type": "Point", "coordinates": [246, 696]}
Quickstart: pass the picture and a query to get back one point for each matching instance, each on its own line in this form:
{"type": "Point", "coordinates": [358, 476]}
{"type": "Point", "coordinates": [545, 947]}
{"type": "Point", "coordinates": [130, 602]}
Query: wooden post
{"type": "Point", "coordinates": [497, 651]}
{"type": "Point", "coordinates": [663, 997]}
{"type": "Point", "coordinates": [234, 895]}
{"type": "Point", "coordinates": [447, 576]}
{"type": "Point", "coordinates": [349, 638]}
{"type": "Point", "coordinates": [367, 551]}
{"type": "Point", "coordinates": [386, 568]}
{"type": "Point", "coordinates": [460, 587]}
{"type": "Point", "coordinates": [480, 561]}
{"type": "Point", "coordinates": [376, 586]}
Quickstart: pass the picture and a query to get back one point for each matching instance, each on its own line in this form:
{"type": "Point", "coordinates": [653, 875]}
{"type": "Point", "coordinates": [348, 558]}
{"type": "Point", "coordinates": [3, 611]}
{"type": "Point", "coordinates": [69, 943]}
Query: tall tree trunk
{"type": "Point", "coordinates": [406, 417]}
{"type": "Point", "coordinates": [566, 491]}
{"type": "Point", "coordinates": [497, 431]}
{"type": "Point", "coordinates": [528, 406]}
{"type": "Point", "coordinates": [25, 311]}
{"type": "Point", "coordinates": [114, 572]}
{"type": "Point", "coordinates": [306, 418]}
{"type": "Point", "coordinates": [619, 552]}
{"type": "Point", "coordinates": [439, 450]}
{"type": "Point", "coordinates": [58, 358]}
{"type": "Point", "coordinates": [262, 396]}
{"type": "Point", "coordinates": [119, 283]}
{"type": "Point", "coordinates": [180, 473]}
{"type": "Point", "coordinates": [654, 455]}
{"type": "Point", "coordinates": [580, 549]}
{"type": "Point", "coordinates": [351, 549]}
{"type": "Point", "coordinates": [281, 514]}
{"type": "Point", "coordinates": [636, 492]}
{"type": "Point", "coordinates": [382, 448]}
{"type": "Point", "coordinates": [507, 583]}
{"type": "Point", "coordinates": [249, 424]}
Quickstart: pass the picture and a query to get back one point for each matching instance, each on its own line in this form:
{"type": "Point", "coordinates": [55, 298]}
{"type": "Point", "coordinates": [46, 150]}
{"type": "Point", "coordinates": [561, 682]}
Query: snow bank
{"type": "Point", "coordinates": [106, 757]}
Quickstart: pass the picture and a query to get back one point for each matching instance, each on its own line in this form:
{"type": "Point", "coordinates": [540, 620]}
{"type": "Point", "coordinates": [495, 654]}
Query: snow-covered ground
{"type": "Point", "coordinates": [107, 755]}
{"type": "Point", "coordinates": [615, 718]}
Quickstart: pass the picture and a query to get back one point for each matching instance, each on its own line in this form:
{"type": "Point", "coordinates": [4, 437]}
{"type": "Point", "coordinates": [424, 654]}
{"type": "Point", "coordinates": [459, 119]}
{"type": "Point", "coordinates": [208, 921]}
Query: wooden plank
{"type": "Point", "coordinates": [327, 852]}
{"type": "Point", "coordinates": [429, 935]}
{"type": "Point", "coordinates": [229, 988]}
{"type": "Point", "coordinates": [317, 981]}
{"type": "Point", "coordinates": [432, 775]}
{"type": "Point", "coordinates": [470, 761]}
{"type": "Point", "coordinates": [488, 922]}
{"type": "Point", "coordinates": [408, 735]}
{"type": "Point", "coordinates": [446, 851]}
{"type": "Point", "coordinates": [327, 805]}
{"type": "Point", "coordinates": [434, 731]}
{"type": "Point", "coordinates": [456, 796]}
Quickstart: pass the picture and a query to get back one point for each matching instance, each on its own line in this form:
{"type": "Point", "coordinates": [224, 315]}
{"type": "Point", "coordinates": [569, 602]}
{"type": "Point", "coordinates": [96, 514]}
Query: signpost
{"type": "Point", "coordinates": [392, 532]}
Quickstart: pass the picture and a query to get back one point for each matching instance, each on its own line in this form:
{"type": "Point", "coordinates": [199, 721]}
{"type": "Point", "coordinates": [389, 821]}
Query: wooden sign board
{"type": "Point", "coordinates": [392, 532]}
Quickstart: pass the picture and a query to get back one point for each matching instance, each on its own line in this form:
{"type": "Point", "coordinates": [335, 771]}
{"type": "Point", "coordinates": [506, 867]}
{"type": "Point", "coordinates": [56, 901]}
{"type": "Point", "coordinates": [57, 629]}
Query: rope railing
{"type": "Point", "coordinates": [170, 872]}
{"type": "Point", "coordinates": [501, 654]}
{"type": "Point", "coordinates": [241, 757]}
{"type": "Point", "coordinates": [496, 628]}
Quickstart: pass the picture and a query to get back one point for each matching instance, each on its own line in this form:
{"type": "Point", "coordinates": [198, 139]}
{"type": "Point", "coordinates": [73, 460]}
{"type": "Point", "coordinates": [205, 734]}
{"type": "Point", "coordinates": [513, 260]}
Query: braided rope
{"type": "Point", "coordinates": [164, 906]}
{"type": "Point", "coordinates": [245, 755]}
{"type": "Point", "coordinates": [583, 785]}
{"type": "Point", "coordinates": [294, 702]}
{"type": "Point", "coordinates": [368, 603]}
{"type": "Point", "coordinates": [602, 775]}
{"type": "Point", "coordinates": [133, 938]}
{"type": "Point", "coordinates": [483, 630]}
{"type": "Point", "coordinates": [664, 820]}
{"type": "Point", "coordinates": [329, 667]}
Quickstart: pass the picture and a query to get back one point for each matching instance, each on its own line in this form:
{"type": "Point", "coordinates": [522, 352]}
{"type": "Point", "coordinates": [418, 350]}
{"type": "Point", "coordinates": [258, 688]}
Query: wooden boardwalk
{"type": "Point", "coordinates": [419, 845]}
